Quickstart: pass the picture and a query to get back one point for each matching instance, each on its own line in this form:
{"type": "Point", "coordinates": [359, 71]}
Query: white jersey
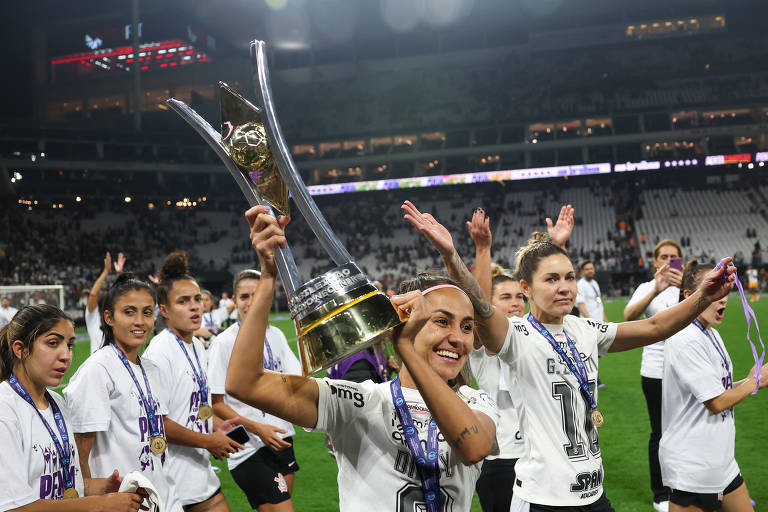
{"type": "Point", "coordinates": [697, 448]}
{"type": "Point", "coordinates": [493, 376]}
{"type": "Point", "coordinates": [652, 365]}
{"type": "Point", "coordinates": [104, 399]}
{"type": "Point", "coordinates": [7, 314]}
{"type": "Point", "coordinates": [31, 466]}
{"type": "Point", "coordinates": [561, 465]}
{"type": "Point", "coordinates": [190, 471]}
{"type": "Point", "coordinates": [376, 469]}
{"type": "Point", "coordinates": [284, 361]}
{"type": "Point", "coordinates": [93, 326]}
{"type": "Point", "coordinates": [589, 294]}
{"type": "Point", "coordinates": [752, 276]}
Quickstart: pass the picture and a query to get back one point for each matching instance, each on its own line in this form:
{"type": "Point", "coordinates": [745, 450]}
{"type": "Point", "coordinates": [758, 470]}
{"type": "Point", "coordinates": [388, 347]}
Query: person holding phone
{"type": "Point", "coordinates": [651, 297]}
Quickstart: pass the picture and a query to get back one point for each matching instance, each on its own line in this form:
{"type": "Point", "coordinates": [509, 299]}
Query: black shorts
{"type": "Point", "coordinates": [493, 487]}
{"type": "Point", "coordinates": [262, 475]}
{"type": "Point", "coordinates": [603, 504]}
{"type": "Point", "coordinates": [713, 501]}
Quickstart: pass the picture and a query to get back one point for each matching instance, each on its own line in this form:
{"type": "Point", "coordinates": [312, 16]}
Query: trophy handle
{"type": "Point", "coordinates": [286, 265]}
{"type": "Point", "coordinates": [287, 168]}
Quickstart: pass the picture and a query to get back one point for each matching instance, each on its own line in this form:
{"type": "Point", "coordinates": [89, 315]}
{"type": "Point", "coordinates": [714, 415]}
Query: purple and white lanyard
{"type": "Point", "coordinates": [199, 377]}
{"type": "Point", "coordinates": [579, 370]}
{"type": "Point", "coordinates": [61, 447]}
{"type": "Point", "coordinates": [268, 360]}
{"type": "Point", "coordinates": [427, 466]}
{"type": "Point", "coordinates": [749, 314]}
{"type": "Point", "coordinates": [208, 319]}
{"type": "Point", "coordinates": [714, 342]}
{"type": "Point", "coordinates": [149, 407]}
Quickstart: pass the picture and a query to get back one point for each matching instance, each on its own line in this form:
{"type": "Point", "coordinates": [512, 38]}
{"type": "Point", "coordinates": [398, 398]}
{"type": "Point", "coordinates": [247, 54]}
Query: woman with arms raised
{"type": "Point", "coordinates": [382, 429]}
{"type": "Point", "coordinates": [554, 359]}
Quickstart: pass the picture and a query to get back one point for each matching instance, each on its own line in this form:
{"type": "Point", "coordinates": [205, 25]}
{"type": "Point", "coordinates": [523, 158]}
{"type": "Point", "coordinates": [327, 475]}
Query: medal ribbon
{"type": "Point", "coordinates": [61, 447]}
{"type": "Point", "coordinates": [714, 342]}
{"type": "Point", "coordinates": [199, 377]}
{"type": "Point", "coordinates": [427, 466]}
{"type": "Point", "coordinates": [269, 362]}
{"type": "Point", "coordinates": [208, 319]}
{"type": "Point", "coordinates": [154, 427]}
{"type": "Point", "coordinates": [749, 314]}
{"type": "Point", "coordinates": [578, 370]}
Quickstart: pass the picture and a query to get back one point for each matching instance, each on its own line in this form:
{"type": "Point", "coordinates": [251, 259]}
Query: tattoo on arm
{"type": "Point", "coordinates": [464, 433]}
{"type": "Point", "coordinates": [459, 271]}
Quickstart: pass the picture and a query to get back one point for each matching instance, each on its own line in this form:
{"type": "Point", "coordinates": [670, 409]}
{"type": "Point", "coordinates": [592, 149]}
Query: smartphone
{"type": "Point", "coordinates": [676, 263]}
{"type": "Point", "coordinates": [238, 434]}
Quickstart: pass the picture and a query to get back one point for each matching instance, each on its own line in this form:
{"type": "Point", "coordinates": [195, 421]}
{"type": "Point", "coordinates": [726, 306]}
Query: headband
{"type": "Point", "coordinates": [439, 286]}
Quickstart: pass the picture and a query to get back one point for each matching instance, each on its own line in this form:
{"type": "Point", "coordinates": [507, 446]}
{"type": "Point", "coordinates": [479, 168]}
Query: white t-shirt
{"type": "Point", "coordinates": [7, 313]}
{"type": "Point", "coordinates": [104, 399]}
{"type": "Point", "coordinates": [190, 471]}
{"type": "Point", "coordinates": [561, 465]}
{"type": "Point", "coordinates": [218, 362]}
{"type": "Point", "coordinates": [752, 275]}
{"type": "Point", "coordinates": [93, 326]}
{"type": "Point", "coordinates": [493, 376]}
{"type": "Point", "coordinates": [31, 469]}
{"type": "Point", "coordinates": [697, 448]}
{"type": "Point", "coordinates": [589, 295]}
{"type": "Point", "coordinates": [652, 365]}
{"type": "Point", "coordinates": [376, 469]}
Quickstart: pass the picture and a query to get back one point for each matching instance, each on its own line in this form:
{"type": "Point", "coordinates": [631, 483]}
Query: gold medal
{"type": "Point", "coordinates": [70, 494]}
{"type": "Point", "coordinates": [597, 417]}
{"type": "Point", "coordinates": [157, 445]}
{"type": "Point", "coordinates": [205, 412]}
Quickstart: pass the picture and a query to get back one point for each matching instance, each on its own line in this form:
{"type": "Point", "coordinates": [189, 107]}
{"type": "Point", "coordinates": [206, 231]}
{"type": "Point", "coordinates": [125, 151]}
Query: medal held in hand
{"type": "Point", "coordinates": [337, 313]}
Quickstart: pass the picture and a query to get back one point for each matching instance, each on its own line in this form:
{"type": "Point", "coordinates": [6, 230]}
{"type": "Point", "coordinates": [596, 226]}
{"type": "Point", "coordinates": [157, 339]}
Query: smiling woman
{"type": "Point", "coordinates": [553, 358]}
{"type": "Point", "coordinates": [117, 399]}
{"type": "Point", "coordinates": [380, 431]}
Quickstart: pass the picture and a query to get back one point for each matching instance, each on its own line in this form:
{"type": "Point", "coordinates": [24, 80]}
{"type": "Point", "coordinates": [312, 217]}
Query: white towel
{"type": "Point", "coordinates": [135, 480]}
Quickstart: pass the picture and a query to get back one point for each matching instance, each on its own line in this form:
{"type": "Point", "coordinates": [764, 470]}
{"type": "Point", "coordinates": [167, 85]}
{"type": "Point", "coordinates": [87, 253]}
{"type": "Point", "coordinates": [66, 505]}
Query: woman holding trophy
{"type": "Point", "coordinates": [419, 439]}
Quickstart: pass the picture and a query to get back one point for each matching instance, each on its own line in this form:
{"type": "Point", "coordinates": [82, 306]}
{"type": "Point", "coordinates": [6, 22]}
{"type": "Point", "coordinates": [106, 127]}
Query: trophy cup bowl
{"type": "Point", "coordinates": [337, 313]}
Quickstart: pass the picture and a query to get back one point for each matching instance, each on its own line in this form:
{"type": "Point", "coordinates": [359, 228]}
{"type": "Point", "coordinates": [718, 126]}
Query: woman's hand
{"type": "Point", "coordinates": [411, 305]}
{"type": "Point", "coordinates": [428, 226]}
{"type": "Point", "coordinates": [561, 231]}
{"type": "Point", "coordinates": [120, 263]}
{"type": "Point", "coordinates": [717, 283]}
{"type": "Point", "coordinates": [480, 229]}
{"type": "Point", "coordinates": [267, 233]}
{"type": "Point", "coordinates": [107, 264]}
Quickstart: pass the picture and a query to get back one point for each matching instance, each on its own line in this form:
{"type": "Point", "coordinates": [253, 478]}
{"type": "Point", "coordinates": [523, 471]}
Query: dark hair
{"type": "Point", "coordinates": [26, 325]}
{"type": "Point", "coordinates": [175, 267]}
{"type": "Point", "coordinates": [585, 263]}
{"type": "Point", "coordinates": [539, 246]}
{"type": "Point", "coordinates": [692, 276]}
{"type": "Point", "coordinates": [248, 273]}
{"type": "Point", "coordinates": [125, 282]}
{"type": "Point", "coordinates": [423, 281]}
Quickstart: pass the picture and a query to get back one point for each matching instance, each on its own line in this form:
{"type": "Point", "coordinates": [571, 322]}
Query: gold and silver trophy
{"type": "Point", "coordinates": [337, 313]}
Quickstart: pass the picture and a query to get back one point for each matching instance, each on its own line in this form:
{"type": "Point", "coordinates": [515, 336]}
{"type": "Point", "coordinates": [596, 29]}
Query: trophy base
{"type": "Point", "coordinates": [347, 327]}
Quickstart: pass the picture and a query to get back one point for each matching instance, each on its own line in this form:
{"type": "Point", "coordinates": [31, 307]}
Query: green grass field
{"type": "Point", "coordinates": [624, 439]}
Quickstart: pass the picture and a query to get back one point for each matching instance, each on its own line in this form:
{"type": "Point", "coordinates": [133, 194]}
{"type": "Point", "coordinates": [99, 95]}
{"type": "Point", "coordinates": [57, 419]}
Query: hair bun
{"type": "Point", "coordinates": [175, 265]}
{"type": "Point", "coordinates": [497, 270]}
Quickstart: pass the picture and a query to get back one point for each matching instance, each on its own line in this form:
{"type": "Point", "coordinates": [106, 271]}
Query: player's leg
{"type": "Point", "coordinates": [652, 392]}
{"type": "Point", "coordinates": [736, 497]}
{"type": "Point", "coordinates": [216, 503]}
